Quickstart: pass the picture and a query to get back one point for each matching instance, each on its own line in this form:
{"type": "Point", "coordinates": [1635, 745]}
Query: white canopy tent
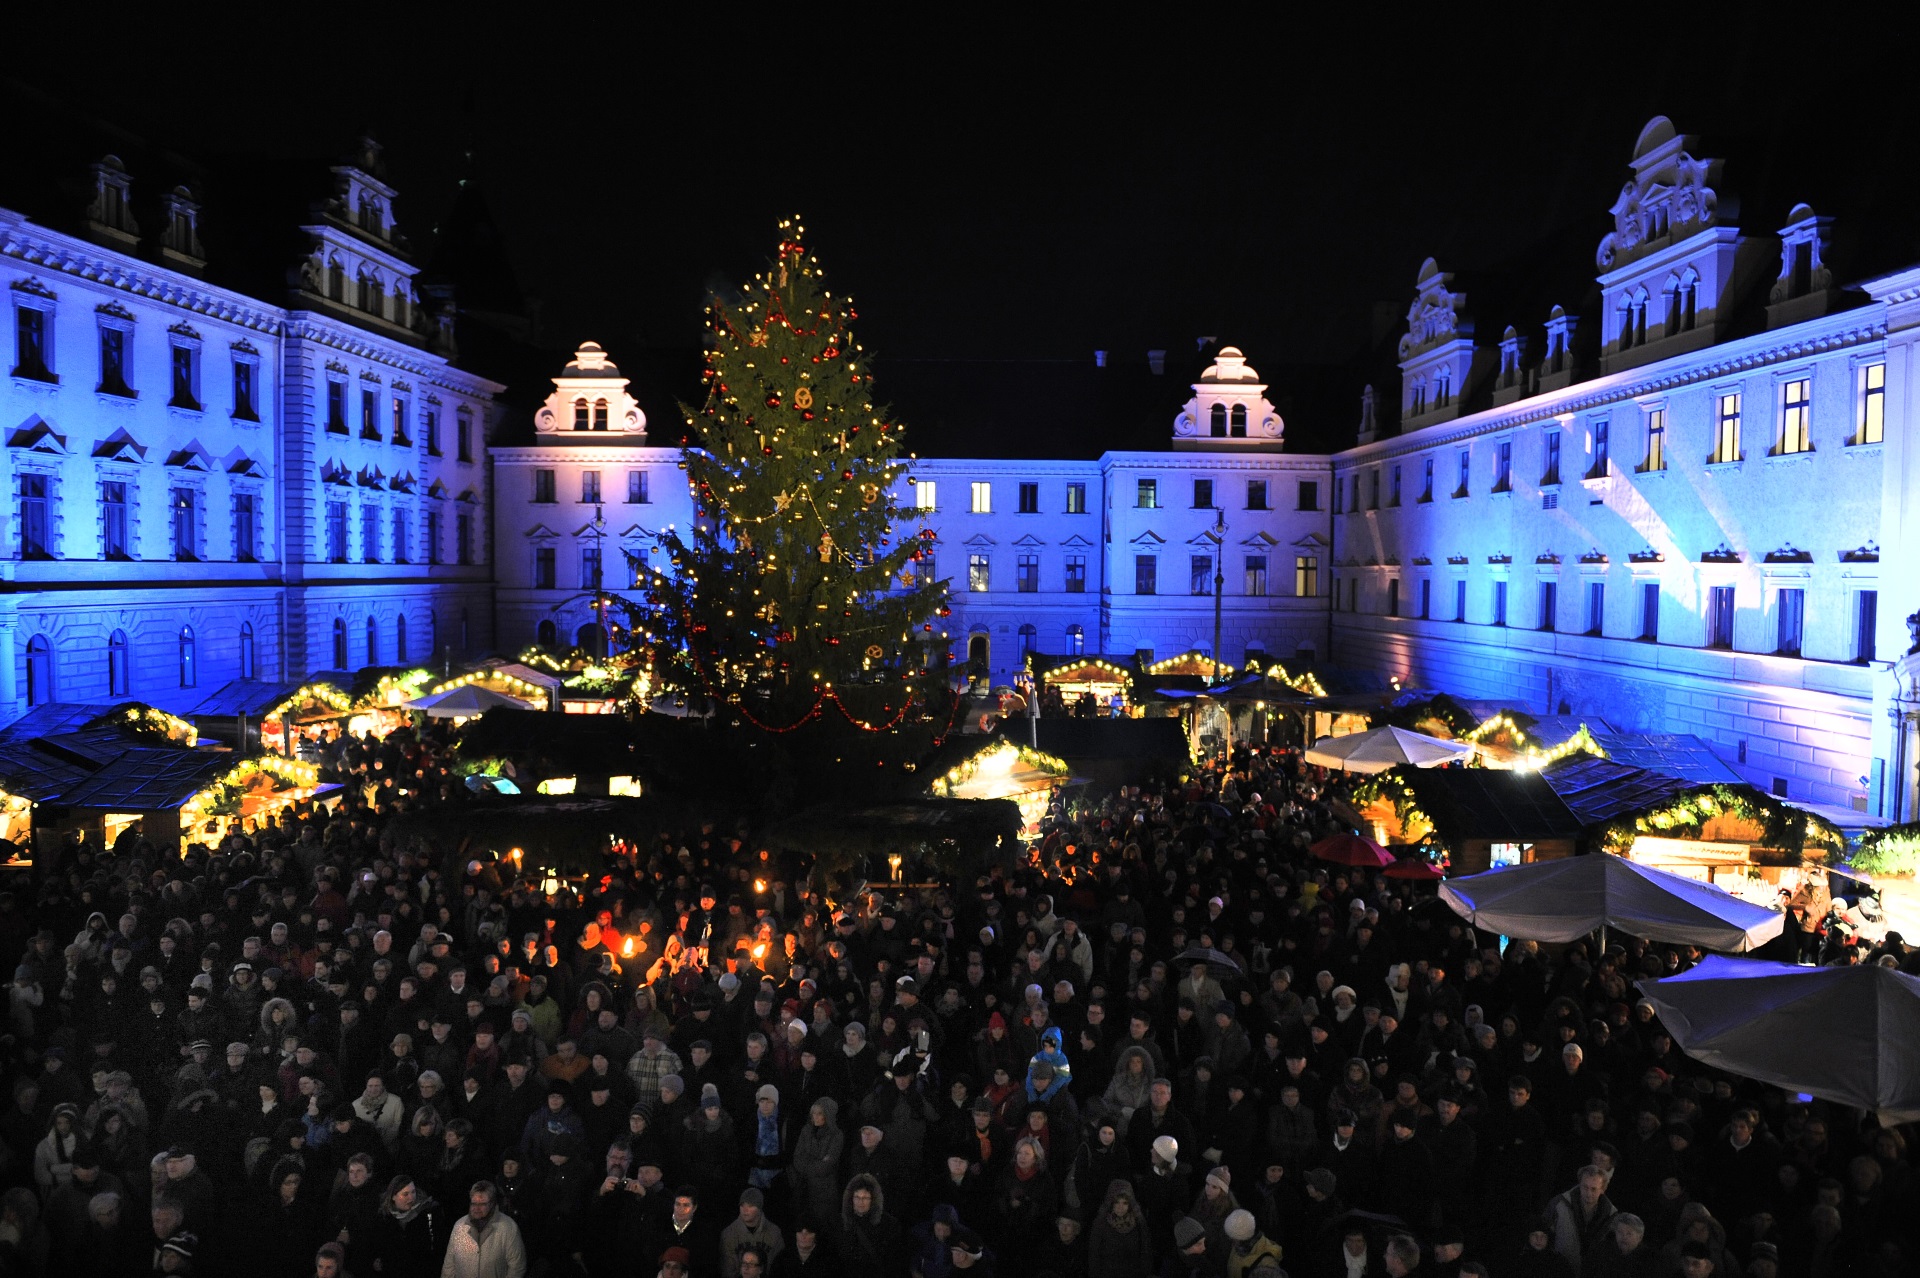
{"type": "Point", "coordinates": [1567, 899]}
{"type": "Point", "coordinates": [465, 702]}
{"type": "Point", "coordinates": [1378, 749]}
{"type": "Point", "coordinates": [1846, 1034]}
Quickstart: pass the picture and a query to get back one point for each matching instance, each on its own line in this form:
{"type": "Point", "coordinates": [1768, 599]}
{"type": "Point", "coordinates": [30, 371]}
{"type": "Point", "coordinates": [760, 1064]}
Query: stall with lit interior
{"type": "Point", "coordinates": [1099, 679]}
{"type": "Point", "coordinates": [1003, 769]}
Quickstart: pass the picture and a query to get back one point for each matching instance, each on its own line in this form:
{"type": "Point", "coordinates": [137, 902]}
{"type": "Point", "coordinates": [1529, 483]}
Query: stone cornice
{"type": "Point", "coordinates": [1860, 326]}
{"type": "Point", "coordinates": [312, 327]}
{"type": "Point", "coordinates": [51, 251]}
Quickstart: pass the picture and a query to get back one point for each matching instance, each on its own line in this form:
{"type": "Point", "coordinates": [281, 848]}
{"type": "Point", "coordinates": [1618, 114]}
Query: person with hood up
{"type": "Point", "coordinates": [1132, 1079]}
{"type": "Point", "coordinates": [870, 1240]}
{"type": "Point", "coordinates": [53, 1157]}
{"type": "Point", "coordinates": [1118, 1244]}
{"type": "Point", "coordinates": [1053, 1055]}
{"type": "Point", "coordinates": [930, 1243]}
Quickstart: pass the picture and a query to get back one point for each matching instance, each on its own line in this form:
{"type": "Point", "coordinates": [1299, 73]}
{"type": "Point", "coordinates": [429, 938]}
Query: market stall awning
{"type": "Point", "coordinates": [1573, 897]}
{"type": "Point", "coordinates": [1378, 749]}
{"type": "Point", "coordinates": [466, 702]}
{"type": "Point", "coordinates": [1846, 1034]}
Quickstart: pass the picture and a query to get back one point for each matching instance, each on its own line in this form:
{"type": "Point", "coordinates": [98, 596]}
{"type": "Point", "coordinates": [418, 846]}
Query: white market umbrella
{"type": "Point", "coordinates": [1567, 899]}
{"type": "Point", "coordinates": [1846, 1034]}
{"type": "Point", "coordinates": [465, 702]}
{"type": "Point", "coordinates": [1378, 749]}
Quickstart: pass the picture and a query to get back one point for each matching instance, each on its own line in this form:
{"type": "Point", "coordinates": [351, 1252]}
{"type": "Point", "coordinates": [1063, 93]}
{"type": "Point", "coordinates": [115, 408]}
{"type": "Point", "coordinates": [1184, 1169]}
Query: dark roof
{"type": "Point", "coordinates": [1487, 803]}
{"type": "Point", "coordinates": [1073, 739]}
{"type": "Point", "coordinates": [58, 717]}
{"type": "Point", "coordinates": [243, 696]}
{"type": "Point", "coordinates": [1674, 753]}
{"type": "Point", "coordinates": [1598, 790]}
{"type": "Point", "coordinates": [148, 779]}
{"type": "Point", "coordinates": [83, 755]}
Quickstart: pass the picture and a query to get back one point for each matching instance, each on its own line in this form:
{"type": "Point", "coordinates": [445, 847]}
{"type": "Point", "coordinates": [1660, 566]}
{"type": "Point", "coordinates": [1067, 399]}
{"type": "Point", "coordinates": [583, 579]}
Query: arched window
{"type": "Point", "coordinates": [1219, 422]}
{"type": "Point", "coordinates": [978, 650]}
{"type": "Point", "coordinates": [336, 280]}
{"type": "Point", "coordinates": [1076, 640]}
{"type": "Point", "coordinates": [1689, 298]}
{"type": "Point", "coordinates": [39, 671]}
{"type": "Point", "coordinates": [119, 677]}
{"type": "Point", "coordinates": [580, 414]}
{"type": "Point", "coordinates": [339, 643]}
{"type": "Point", "coordinates": [592, 640]}
{"type": "Point", "coordinates": [1029, 639]}
{"type": "Point", "coordinates": [400, 639]}
{"type": "Point", "coordinates": [373, 642]}
{"type": "Point", "coordinates": [1239, 429]}
{"type": "Point", "coordinates": [547, 635]}
{"type": "Point", "coordinates": [371, 294]}
{"type": "Point", "coordinates": [1671, 296]}
{"type": "Point", "coordinates": [246, 650]}
{"type": "Point", "coordinates": [599, 414]}
{"type": "Point", "coordinates": [189, 674]}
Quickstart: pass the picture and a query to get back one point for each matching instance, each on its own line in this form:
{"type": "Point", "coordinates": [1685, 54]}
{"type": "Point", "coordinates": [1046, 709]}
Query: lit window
{"type": "Point", "coordinates": [978, 576]}
{"type": "Point", "coordinates": [1306, 576]}
{"type": "Point", "coordinates": [1873, 404]}
{"type": "Point", "coordinates": [982, 497]}
{"type": "Point", "coordinates": [1076, 499]}
{"type": "Point", "coordinates": [1726, 433]}
{"type": "Point", "coordinates": [924, 495]}
{"type": "Point", "coordinates": [1076, 640]}
{"type": "Point", "coordinates": [1656, 440]}
{"type": "Point", "coordinates": [1147, 494]}
{"type": "Point", "coordinates": [1795, 412]}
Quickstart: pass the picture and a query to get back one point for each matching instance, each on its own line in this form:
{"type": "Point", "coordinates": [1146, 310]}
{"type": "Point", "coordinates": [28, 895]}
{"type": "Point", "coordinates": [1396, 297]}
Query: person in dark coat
{"type": "Point", "coordinates": [870, 1241]}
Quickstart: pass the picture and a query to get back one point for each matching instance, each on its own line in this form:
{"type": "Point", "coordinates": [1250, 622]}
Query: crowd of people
{"type": "Point", "coordinates": [323, 1048]}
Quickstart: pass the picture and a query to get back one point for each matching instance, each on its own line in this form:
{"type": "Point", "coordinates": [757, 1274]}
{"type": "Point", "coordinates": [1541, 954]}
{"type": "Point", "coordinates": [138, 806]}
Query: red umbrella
{"type": "Point", "coordinates": [1351, 849]}
{"type": "Point", "coordinates": [1413, 867]}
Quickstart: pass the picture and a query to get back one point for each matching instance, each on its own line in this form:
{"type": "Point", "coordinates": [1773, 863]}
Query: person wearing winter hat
{"type": "Point", "coordinates": [1248, 1247]}
{"type": "Point", "coordinates": [1190, 1238]}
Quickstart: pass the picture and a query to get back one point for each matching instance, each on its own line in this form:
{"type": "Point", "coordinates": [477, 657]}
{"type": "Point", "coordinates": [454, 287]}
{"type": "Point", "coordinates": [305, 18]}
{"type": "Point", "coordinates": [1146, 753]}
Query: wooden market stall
{"type": "Point", "coordinates": [999, 768]}
{"type": "Point", "coordinates": [1102, 678]}
{"type": "Point", "coordinates": [1483, 818]}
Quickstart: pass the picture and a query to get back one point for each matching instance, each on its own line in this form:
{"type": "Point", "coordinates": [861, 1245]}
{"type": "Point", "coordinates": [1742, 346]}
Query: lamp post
{"type": "Point", "coordinates": [1218, 535]}
{"type": "Point", "coordinates": [599, 579]}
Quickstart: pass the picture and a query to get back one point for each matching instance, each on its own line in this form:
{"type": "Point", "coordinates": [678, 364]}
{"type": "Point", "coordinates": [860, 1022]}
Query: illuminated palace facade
{"type": "Point", "coordinates": [209, 487]}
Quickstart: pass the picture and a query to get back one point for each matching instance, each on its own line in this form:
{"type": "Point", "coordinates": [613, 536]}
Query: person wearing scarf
{"type": "Point", "coordinates": [767, 1161]}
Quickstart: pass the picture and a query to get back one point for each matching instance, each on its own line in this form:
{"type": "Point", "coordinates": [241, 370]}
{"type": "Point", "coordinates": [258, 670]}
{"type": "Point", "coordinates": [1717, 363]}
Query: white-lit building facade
{"type": "Point", "coordinates": [207, 486]}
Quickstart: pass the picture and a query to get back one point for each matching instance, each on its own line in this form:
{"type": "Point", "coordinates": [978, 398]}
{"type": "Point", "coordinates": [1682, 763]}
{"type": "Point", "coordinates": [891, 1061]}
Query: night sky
{"type": "Point", "coordinates": [1003, 200]}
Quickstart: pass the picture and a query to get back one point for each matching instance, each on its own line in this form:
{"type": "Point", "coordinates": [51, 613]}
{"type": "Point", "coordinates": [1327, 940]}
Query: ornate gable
{"type": "Point", "coordinates": [590, 404]}
{"type": "Point", "coordinates": [1229, 408]}
{"type": "Point", "coordinates": [1437, 355]}
{"type": "Point", "coordinates": [1670, 196]}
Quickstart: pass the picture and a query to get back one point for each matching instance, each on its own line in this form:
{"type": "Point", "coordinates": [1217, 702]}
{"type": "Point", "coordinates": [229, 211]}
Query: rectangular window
{"type": "Point", "coordinates": [1076, 574]}
{"type": "Point", "coordinates": [184, 391]}
{"type": "Point", "coordinates": [397, 413]}
{"type": "Point", "coordinates": [1029, 499]}
{"type": "Point", "coordinates": [246, 397]}
{"type": "Point", "coordinates": [369, 534]}
{"type": "Point", "coordinates": [1373, 489]}
{"type": "Point", "coordinates": [543, 491]}
{"type": "Point", "coordinates": [369, 413]}
{"type": "Point", "coordinates": [463, 435]}
{"type": "Point", "coordinates": [186, 525]}
{"type": "Point", "coordinates": [1466, 473]}
{"type": "Point", "coordinates": [1551, 475]}
{"type": "Point", "coordinates": [336, 532]}
{"type": "Point", "coordinates": [1791, 613]}
{"type": "Point", "coordinates": [245, 528]}
{"type": "Point", "coordinates": [1393, 495]}
{"type": "Point", "coordinates": [463, 538]}
{"type": "Point", "coordinates": [1866, 616]}
{"type": "Point", "coordinates": [924, 495]}
{"type": "Point", "coordinates": [1026, 577]}
{"type": "Point", "coordinates": [979, 574]}
{"type": "Point", "coordinates": [929, 566]}
{"type": "Point", "coordinates": [1503, 466]}
{"type": "Point", "coordinates": [1203, 494]}
{"type": "Point", "coordinates": [1499, 603]}
{"type": "Point", "coordinates": [31, 358]}
{"type": "Point", "coordinates": [336, 406]}
{"type": "Point", "coordinates": [1460, 600]}
{"type": "Point", "coordinates": [113, 362]}
{"type": "Point", "coordinates": [113, 522]}
{"type": "Point", "coordinates": [1426, 598]}
{"type": "Point", "coordinates": [544, 575]}
{"type": "Point", "coordinates": [1726, 428]}
{"type": "Point", "coordinates": [433, 536]}
{"type": "Point", "coordinates": [589, 567]}
{"type": "Point", "coordinates": [1720, 617]}
{"type": "Point", "coordinates": [433, 432]}
{"type": "Point", "coordinates": [1426, 479]}
{"type": "Point", "coordinates": [1393, 597]}
{"type": "Point", "coordinates": [1873, 404]}
{"type": "Point", "coordinates": [36, 524]}
{"type": "Point", "coordinates": [1257, 575]}
{"type": "Point", "coordinates": [1650, 611]}
{"type": "Point", "coordinates": [1656, 440]}
{"type": "Point", "coordinates": [1146, 574]}
{"type": "Point", "coordinates": [1147, 494]}
{"type": "Point", "coordinates": [1076, 499]}
{"type": "Point", "coordinates": [1356, 495]}
{"type": "Point", "coordinates": [982, 497]}
{"type": "Point", "coordinates": [590, 487]}
{"type": "Point", "coordinates": [1306, 576]}
{"type": "Point", "coordinates": [637, 488]}
{"type": "Point", "coordinates": [1601, 464]}
{"type": "Point", "coordinates": [1307, 494]}
{"type": "Point", "coordinates": [1339, 493]}
{"type": "Point", "coordinates": [402, 541]}
{"type": "Point", "coordinates": [1549, 605]}
{"type": "Point", "coordinates": [1200, 574]}
{"type": "Point", "coordinates": [1796, 410]}
{"type": "Point", "coordinates": [1596, 607]}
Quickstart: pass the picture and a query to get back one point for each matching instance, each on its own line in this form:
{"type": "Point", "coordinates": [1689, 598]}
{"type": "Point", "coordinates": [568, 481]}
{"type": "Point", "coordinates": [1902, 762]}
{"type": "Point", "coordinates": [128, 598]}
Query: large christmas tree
{"type": "Point", "coordinates": [798, 590]}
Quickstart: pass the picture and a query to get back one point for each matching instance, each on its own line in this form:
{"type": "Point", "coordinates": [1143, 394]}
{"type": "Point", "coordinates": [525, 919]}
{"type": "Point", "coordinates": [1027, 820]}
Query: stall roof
{"type": "Point", "coordinates": [1487, 803]}
{"type": "Point", "coordinates": [1598, 790]}
{"type": "Point", "coordinates": [1070, 739]}
{"type": "Point", "coordinates": [148, 779]}
{"type": "Point", "coordinates": [1676, 754]}
{"type": "Point", "coordinates": [243, 696]}
{"type": "Point", "coordinates": [84, 755]}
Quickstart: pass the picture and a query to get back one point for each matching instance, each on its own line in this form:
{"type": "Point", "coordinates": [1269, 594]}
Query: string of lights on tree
{"type": "Point", "coordinates": [799, 585]}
